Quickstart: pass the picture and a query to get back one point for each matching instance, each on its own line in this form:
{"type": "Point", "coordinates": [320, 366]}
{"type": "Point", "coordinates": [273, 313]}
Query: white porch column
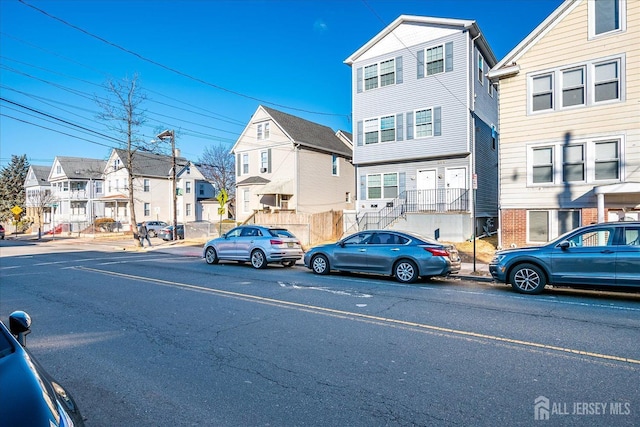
{"type": "Point", "coordinates": [600, 198]}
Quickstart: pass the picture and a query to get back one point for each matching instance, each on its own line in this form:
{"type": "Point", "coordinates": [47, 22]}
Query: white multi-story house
{"type": "Point", "coordinates": [425, 128]}
{"type": "Point", "coordinates": [570, 122]}
{"type": "Point", "coordinates": [153, 189]}
{"type": "Point", "coordinates": [76, 186]}
{"type": "Point", "coordinates": [286, 163]}
{"type": "Point", "coordinates": [39, 200]}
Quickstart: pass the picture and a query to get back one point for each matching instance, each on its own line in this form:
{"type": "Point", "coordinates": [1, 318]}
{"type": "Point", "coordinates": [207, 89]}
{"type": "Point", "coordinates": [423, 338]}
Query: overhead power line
{"type": "Point", "coordinates": [175, 71]}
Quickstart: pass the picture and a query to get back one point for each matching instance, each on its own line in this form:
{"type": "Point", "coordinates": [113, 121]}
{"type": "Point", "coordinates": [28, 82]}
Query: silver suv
{"type": "Point", "coordinates": [154, 226]}
{"type": "Point", "coordinates": [257, 244]}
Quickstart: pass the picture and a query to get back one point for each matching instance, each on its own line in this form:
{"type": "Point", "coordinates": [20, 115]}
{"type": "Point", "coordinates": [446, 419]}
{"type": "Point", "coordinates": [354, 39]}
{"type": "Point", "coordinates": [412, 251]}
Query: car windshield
{"type": "Point", "coordinates": [280, 232]}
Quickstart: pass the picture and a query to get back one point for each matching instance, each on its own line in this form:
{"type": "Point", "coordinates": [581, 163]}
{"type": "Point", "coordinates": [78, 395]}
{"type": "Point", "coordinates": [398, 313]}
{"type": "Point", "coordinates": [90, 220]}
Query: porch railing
{"type": "Point", "coordinates": [438, 200]}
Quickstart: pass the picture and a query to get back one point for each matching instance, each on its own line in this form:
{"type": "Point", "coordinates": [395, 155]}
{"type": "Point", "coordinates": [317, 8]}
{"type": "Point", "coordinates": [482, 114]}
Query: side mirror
{"type": "Point", "coordinates": [564, 244]}
{"type": "Point", "coordinates": [341, 243]}
{"type": "Point", "coordinates": [20, 326]}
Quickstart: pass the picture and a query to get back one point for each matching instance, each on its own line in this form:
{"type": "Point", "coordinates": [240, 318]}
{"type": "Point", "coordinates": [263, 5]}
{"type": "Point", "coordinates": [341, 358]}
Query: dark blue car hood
{"type": "Point", "coordinates": [27, 394]}
{"type": "Point", "coordinates": [27, 398]}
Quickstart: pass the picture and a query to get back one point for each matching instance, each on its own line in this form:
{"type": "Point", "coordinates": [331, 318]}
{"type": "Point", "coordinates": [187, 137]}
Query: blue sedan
{"type": "Point", "coordinates": [406, 256]}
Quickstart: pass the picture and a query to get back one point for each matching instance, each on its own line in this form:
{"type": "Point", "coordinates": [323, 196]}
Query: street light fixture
{"type": "Point", "coordinates": [172, 136]}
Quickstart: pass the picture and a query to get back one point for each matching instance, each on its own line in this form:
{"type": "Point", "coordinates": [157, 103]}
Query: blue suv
{"type": "Point", "coordinates": [597, 255]}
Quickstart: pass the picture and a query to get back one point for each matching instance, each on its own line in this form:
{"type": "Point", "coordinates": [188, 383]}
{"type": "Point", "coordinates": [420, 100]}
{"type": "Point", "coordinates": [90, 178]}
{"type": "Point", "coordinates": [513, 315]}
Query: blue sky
{"type": "Point", "coordinates": [205, 65]}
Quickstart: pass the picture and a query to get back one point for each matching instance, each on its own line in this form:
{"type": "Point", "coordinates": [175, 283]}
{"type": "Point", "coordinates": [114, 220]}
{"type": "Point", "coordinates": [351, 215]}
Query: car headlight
{"type": "Point", "coordinates": [497, 259]}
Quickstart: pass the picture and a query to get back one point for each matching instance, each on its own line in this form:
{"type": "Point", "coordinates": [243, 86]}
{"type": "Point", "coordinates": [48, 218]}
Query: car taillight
{"type": "Point", "coordinates": [276, 242]}
{"type": "Point", "coordinates": [437, 251]}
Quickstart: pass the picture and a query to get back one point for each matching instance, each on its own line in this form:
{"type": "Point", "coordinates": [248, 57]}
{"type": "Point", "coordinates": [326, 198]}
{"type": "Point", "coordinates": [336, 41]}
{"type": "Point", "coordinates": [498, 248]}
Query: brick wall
{"type": "Point", "coordinates": [513, 227]}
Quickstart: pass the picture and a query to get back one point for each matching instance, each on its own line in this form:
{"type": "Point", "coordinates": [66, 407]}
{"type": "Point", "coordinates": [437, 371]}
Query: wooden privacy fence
{"type": "Point", "coordinates": [311, 229]}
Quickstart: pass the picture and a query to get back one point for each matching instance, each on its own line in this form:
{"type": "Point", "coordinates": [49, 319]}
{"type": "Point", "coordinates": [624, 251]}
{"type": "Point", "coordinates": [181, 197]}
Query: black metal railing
{"type": "Point", "coordinates": [439, 200]}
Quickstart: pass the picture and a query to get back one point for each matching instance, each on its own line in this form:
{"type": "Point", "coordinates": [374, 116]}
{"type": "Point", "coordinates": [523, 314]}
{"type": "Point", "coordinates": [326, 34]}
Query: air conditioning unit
{"type": "Point", "coordinates": [263, 170]}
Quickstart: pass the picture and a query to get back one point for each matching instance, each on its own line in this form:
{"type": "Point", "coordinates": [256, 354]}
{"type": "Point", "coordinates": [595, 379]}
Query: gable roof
{"type": "Point", "coordinates": [81, 167]}
{"type": "Point", "coordinates": [37, 176]}
{"type": "Point", "coordinates": [41, 172]}
{"type": "Point", "coordinates": [151, 164]}
{"type": "Point", "coordinates": [309, 134]}
{"type": "Point", "coordinates": [462, 24]}
{"type": "Point", "coordinates": [507, 65]}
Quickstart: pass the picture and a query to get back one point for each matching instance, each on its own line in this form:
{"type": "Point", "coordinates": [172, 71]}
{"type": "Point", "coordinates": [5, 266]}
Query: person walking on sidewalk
{"type": "Point", "coordinates": [143, 234]}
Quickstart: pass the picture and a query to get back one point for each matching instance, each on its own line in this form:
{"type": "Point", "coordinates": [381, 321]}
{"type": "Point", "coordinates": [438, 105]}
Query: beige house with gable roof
{"type": "Point", "coordinates": [286, 163]}
{"type": "Point", "coordinates": [569, 148]}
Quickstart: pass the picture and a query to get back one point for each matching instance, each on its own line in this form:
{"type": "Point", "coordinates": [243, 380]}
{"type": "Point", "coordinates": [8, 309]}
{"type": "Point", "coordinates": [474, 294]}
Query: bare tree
{"type": "Point", "coordinates": [218, 166]}
{"type": "Point", "coordinates": [40, 201]}
{"type": "Point", "coordinates": [122, 113]}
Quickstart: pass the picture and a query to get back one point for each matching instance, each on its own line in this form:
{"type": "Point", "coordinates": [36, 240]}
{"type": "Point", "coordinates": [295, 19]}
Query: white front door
{"type": "Point", "coordinates": [456, 183]}
{"type": "Point", "coordinates": [426, 184]}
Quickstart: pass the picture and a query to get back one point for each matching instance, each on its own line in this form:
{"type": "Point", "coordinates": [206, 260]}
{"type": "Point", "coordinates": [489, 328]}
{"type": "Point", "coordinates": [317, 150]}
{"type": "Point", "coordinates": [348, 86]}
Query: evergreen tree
{"type": "Point", "coordinates": [12, 193]}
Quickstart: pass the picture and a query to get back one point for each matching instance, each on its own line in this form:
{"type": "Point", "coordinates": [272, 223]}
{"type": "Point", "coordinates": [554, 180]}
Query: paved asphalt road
{"type": "Point", "coordinates": [154, 338]}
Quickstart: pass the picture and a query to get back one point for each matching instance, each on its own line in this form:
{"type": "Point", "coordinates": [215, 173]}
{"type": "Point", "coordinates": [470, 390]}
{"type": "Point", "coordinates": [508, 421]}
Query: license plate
{"type": "Point", "coordinates": [289, 244]}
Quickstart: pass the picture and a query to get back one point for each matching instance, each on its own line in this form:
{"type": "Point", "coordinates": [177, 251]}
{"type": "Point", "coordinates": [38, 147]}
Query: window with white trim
{"type": "Point", "coordinates": [264, 161]}
{"type": "Point", "coordinates": [188, 209]}
{"type": "Point", "coordinates": [380, 74]}
{"type": "Point", "coordinates": [146, 185]}
{"type": "Point", "coordinates": [542, 165]}
{"type": "Point", "coordinates": [607, 81]}
{"type": "Point", "coordinates": [545, 225]}
{"type": "Point", "coordinates": [424, 123]}
{"type": "Point", "coordinates": [387, 128]}
{"type": "Point", "coordinates": [381, 186]}
{"type": "Point", "coordinates": [262, 131]}
{"type": "Point", "coordinates": [380, 129]}
{"type": "Point", "coordinates": [573, 163]}
{"type": "Point", "coordinates": [538, 226]}
{"type": "Point", "coordinates": [480, 69]}
{"type": "Point", "coordinates": [371, 131]}
{"type": "Point", "coordinates": [606, 16]}
{"type": "Point", "coordinates": [573, 90]}
{"type": "Point", "coordinates": [371, 77]}
{"type": "Point", "coordinates": [147, 209]}
{"type": "Point", "coordinates": [387, 72]}
{"type": "Point", "coordinates": [335, 161]}
{"type": "Point", "coordinates": [586, 161]}
{"type": "Point", "coordinates": [585, 84]}
{"type": "Point", "coordinates": [245, 163]}
{"type": "Point", "coordinates": [435, 60]}
{"type": "Point", "coordinates": [607, 160]}
{"type": "Point", "coordinates": [542, 92]}
{"type": "Point", "coordinates": [246, 200]}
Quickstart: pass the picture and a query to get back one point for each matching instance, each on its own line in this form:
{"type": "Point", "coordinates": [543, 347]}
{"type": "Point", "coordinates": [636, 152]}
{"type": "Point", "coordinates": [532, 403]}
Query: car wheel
{"type": "Point", "coordinates": [289, 263]}
{"type": "Point", "coordinates": [527, 279]}
{"type": "Point", "coordinates": [258, 259]}
{"type": "Point", "coordinates": [152, 233]}
{"type": "Point", "coordinates": [320, 264]}
{"type": "Point", "coordinates": [211, 256]}
{"type": "Point", "coordinates": [406, 271]}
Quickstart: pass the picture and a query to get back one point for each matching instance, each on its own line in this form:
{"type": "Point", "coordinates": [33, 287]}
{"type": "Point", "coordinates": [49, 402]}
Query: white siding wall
{"type": "Point", "coordinates": [446, 90]}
